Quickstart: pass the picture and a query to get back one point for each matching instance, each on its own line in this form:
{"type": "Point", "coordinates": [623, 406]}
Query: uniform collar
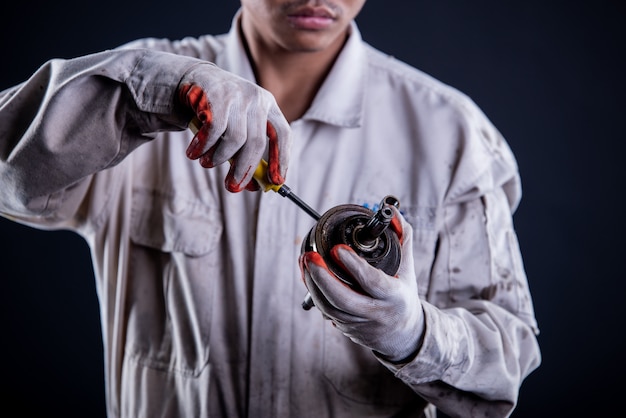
{"type": "Point", "coordinates": [340, 98]}
{"type": "Point", "coordinates": [233, 57]}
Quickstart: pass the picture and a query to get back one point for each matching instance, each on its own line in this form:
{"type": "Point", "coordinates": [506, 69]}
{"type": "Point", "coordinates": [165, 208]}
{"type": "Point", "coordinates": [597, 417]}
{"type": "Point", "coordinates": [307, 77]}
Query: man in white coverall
{"type": "Point", "coordinates": [200, 288]}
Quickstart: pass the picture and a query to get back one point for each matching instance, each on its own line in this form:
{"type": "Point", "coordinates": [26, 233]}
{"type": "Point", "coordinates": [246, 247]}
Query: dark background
{"type": "Point", "coordinates": [548, 73]}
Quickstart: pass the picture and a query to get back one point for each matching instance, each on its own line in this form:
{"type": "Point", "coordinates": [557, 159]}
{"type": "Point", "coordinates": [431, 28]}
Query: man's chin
{"type": "Point", "coordinates": [310, 42]}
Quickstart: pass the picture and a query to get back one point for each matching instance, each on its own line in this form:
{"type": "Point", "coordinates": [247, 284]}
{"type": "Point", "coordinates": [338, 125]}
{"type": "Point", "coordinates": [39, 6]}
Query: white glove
{"type": "Point", "coordinates": [237, 117]}
{"type": "Point", "coordinates": [388, 318]}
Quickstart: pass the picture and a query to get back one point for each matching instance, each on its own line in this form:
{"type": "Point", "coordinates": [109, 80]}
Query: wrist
{"type": "Point", "coordinates": [403, 350]}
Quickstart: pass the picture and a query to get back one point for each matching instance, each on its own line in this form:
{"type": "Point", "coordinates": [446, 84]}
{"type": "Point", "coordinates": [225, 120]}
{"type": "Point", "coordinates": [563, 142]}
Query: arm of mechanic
{"type": "Point", "coordinates": [75, 117]}
{"type": "Point", "coordinates": [470, 357]}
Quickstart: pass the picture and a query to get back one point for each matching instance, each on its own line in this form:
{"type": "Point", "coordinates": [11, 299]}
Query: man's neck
{"type": "Point", "coordinates": [294, 78]}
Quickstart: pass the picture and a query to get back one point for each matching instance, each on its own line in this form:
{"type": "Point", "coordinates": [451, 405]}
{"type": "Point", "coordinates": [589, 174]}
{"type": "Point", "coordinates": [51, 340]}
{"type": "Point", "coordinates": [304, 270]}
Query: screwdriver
{"type": "Point", "coordinates": [260, 175]}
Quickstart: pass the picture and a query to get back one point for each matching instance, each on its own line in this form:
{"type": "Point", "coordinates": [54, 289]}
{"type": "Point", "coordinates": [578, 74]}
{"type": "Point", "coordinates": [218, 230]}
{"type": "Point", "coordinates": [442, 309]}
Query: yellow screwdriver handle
{"type": "Point", "coordinates": [195, 125]}
{"type": "Point", "coordinates": [260, 174]}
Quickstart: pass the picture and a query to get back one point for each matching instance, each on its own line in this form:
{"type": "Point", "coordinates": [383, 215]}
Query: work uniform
{"type": "Point", "coordinates": [199, 288]}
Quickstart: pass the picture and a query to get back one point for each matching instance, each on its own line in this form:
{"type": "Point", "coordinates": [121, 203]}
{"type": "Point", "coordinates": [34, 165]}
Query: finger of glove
{"type": "Point", "coordinates": [332, 296]}
{"type": "Point", "coordinates": [226, 145]}
{"type": "Point", "coordinates": [249, 155]}
{"type": "Point", "coordinates": [204, 144]}
{"type": "Point", "coordinates": [214, 132]}
{"type": "Point", "coordinates": [399, 225]}
{"type": "Point", "coordinates": [318, 298]}
{"type": "Point", "coordinates": [373, 281]}
{"type": "Point", "coordinates": [200, 143]}
{"type": "Point", "coordinates": [279, 135]}
{"type": "Point", "coordinates": [253, 186]}
{"type": "Point", "coordinates": [406, 270]}
{"type": "Point", "coordinates": [195, 98]}
{"type": "Point", "coordinates": [206, 160]}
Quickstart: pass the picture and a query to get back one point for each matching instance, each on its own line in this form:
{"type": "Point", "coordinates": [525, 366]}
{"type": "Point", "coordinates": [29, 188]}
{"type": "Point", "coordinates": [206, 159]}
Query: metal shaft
{"type": "Point", "coordinates": [375, 227]}
{"type": "Point", "coordinates": [286, 192]}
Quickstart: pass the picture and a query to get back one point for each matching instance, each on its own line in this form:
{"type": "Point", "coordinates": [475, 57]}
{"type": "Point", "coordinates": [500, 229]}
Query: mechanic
{"type": "Point", "coordinates": [200, 281]}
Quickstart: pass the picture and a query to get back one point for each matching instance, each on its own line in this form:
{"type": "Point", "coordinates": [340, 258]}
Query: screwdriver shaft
{"type": "Point", "coordinates": [286, 192]}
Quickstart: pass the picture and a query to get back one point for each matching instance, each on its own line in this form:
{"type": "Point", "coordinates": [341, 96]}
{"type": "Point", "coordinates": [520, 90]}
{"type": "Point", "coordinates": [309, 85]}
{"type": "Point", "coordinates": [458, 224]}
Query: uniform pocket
{"type": "Point", "coordinates": [174, 224]}
{"type": "Point", "coordinates": [170, 293]}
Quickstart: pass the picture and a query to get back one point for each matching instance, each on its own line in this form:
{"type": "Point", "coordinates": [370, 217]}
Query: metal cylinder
{"type": "Point", "coordinates": [366, 236]}
{"type": "Point", "coordinates": [363, 230]}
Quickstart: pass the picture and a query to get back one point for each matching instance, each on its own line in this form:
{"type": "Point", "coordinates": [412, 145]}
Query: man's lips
{"type": "Point", "coordinates": [311, 18]}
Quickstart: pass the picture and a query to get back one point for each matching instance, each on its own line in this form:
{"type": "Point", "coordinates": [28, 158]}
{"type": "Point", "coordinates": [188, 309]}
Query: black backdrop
{"type": "Point", "coordinates": [548, 73]}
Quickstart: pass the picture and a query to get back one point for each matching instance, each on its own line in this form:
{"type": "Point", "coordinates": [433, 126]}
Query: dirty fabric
{"type": "Point", "coordinates": [199, 288]}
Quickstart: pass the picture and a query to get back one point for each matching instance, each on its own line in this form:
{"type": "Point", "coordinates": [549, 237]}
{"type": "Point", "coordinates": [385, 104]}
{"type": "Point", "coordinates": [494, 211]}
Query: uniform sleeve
{"type": "Point", "coordinates": [480, 338]}
{"type": "Point", "coordinates": [76, 117]}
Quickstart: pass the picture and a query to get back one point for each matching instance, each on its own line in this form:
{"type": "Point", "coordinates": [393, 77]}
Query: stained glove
{"type": "Point", "coordinates": [386, 314]}
{"type": "Point", "coordinates": [237, 118]}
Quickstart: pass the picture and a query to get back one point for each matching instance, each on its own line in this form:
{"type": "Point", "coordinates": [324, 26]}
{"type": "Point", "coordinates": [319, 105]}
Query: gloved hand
{"type": "Point", "coordinates": [237, 118]}
{"type": "Point", "coordinates": [388, 317]}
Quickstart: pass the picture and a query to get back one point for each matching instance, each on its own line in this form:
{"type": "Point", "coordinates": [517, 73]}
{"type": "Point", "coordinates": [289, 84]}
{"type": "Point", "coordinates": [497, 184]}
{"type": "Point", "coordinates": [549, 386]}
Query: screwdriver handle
{"type": "Point", "coordinates": [260, 173]}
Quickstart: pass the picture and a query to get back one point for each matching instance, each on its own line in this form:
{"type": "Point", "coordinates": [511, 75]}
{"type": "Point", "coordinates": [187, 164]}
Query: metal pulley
{"type": "Point", "coordinates": [363, 230]}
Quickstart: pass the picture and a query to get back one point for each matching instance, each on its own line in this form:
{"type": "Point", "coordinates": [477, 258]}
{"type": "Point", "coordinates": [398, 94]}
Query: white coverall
{"type": "Point", "coordinates": [199, 288]}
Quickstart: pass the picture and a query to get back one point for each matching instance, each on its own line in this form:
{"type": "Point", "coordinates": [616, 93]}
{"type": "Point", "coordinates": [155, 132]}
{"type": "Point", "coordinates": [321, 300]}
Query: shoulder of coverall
{"type": "Point", "coordinates": [483, 160]}
{"type": "Point", "coordinates": [205, 47]}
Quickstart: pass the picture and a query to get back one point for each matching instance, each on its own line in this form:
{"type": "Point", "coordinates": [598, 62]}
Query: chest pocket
{"type": "Point", "coordinates": [172, 267]}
